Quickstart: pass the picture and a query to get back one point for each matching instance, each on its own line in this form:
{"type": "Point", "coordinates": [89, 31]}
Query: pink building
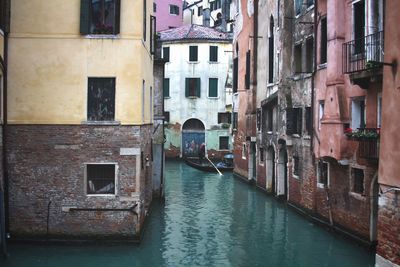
{"type": "Point", "coordinates": [168, 14]}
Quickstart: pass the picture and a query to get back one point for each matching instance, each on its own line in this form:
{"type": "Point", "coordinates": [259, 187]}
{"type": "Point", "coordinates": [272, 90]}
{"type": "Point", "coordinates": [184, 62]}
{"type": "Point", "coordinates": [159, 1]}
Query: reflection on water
{"type": "Point", "coordinates": [210, 220]}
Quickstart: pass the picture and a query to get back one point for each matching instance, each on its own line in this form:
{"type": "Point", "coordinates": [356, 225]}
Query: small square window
{"type": "Point", "coordinates": [166, 116]}
{"type": "Point", "coordinates": [100, 17]}
{"type": "Point", "coordinates": [358, 180]}
{"type": "Point", "coordinates": [100, 179]}
{"type": "Point", "coordinates": [223, 143]}
{"type": "Point", "coordinates": [224, 117]}
{"type": "Point", "coordinates": [173, 10]}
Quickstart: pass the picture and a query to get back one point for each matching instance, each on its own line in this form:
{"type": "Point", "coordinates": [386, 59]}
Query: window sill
{"type": "Point", "coordinates": [322, 66]}
{"type": "Point", "coordinates": [193, 62]}
{"type": "Point", "coordinates": [357, 196]}
{"type": "Point", "coordinates": [213, 97]}
{"type": "Point", "coordinates": [103, 36]}
{"type": "Point", "coordinates": [113, 123]}
{"type": "Point", "coordinates": [322, 186]}
{"type": "Point", "coordinates": [167, 97]}
{"type": "Point", "coordinates": [269, 85]}
{"type": "Point", "coordinates": [296, 177]}
{"type": "Point", "coordinates": [213, 62]}
{"type": "Point", "coordinates": [296, 135]}
{"type": "Point", "coordinates": [310, 7]}
{"type": "Point", "coordinates": [192, 97]}
{"type": "Point", "coordinates": [101, 195]}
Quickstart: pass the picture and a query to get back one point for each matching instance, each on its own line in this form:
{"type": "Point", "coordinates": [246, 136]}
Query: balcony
{"type": "Point", "coordinates": [368, 142]}
{"type": "Point", "coordinates": [363, 58]}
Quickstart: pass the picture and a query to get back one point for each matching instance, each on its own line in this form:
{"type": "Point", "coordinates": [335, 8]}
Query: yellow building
{"type": "Point", "coordinates": [80, 115]}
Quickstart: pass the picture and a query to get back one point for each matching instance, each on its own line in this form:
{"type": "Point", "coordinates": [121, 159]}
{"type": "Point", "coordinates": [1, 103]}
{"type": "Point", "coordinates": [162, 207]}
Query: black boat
{"type": "Point", "coordinates": [224, 166]}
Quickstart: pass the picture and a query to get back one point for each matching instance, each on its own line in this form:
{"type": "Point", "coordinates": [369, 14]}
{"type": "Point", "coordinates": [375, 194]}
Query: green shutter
{"type": "Point", "coordinates": [214, 53]}
{"type": "Point", "coordinates": [187, 87]}
{"type": "Point", "coordinates": [213, 87]}
{"type": "Point", "coordinates": [166, 87]}
{"type": "Point", "coordinates": [117, 16]}
{"type": "Point", "coordinates": [85, 17]}
{"type": "Point", "coordinates": [192, 53]}
{"type": "Point", "coordinates": [198, 86]}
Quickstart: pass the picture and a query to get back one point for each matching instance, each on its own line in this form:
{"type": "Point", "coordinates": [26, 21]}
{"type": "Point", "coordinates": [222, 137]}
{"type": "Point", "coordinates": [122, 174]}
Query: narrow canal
{"type": "Point", "coordinates": [210, 220]}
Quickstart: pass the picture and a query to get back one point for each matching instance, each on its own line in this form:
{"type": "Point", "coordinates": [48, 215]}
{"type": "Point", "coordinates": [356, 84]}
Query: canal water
{"type": "Point", "coordinates": [209, 220]}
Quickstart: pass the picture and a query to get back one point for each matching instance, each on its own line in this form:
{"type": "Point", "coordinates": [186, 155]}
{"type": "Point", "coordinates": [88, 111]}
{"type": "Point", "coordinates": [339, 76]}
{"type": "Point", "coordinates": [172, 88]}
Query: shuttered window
{"type": "Point", "coordinates": [224, 117]}
{"type": "Point", "coordinates": [166, 87]}
{"type": "Point", "coordinates": [193, 53]}
{"type": "Point", "coordinates": [101, 99]}
{"type": "Point", "coordinates": [192, 87]}
{"type": "Point", "coordinates": [223, 143]}
{"type": "Point", "coordinates": [213, 87]}
{"type": "Point", "coordinates": [166, 54]}
{"type": "Point", "coordinates": [213, 53]}
{"type": "Point", "coordinates": [100, 17]}
{"type": "Point", "coordinates": [235, 74]}
{"type": "Point", "coordinates": [247, 75]}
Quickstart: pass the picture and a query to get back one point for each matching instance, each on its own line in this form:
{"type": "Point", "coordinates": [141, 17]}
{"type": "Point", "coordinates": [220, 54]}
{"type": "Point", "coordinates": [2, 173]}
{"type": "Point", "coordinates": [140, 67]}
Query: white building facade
{"type": "Point", "coordinates": [197, 91]}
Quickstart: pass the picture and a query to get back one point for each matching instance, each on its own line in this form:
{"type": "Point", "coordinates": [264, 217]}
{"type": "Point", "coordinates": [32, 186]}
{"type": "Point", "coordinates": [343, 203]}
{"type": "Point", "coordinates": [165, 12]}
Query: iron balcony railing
{"type": "Point", "coordinates": [368, 142]}
{"type": "Point", "coordinates": [363, 54]}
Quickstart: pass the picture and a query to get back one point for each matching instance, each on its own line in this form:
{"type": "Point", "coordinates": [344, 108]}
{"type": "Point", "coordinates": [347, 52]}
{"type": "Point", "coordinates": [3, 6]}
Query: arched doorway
{"type": "Point", "coordinates": [270, 170]}
{"type": "Point", "coordinates": [281, 186]}
{"type": "Point", "coordinates": [193, 135]}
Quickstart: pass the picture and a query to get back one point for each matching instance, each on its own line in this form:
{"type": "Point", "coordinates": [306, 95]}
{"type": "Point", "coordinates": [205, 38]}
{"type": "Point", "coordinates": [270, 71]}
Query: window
{"type": "Point", "coordinates": [235, 75]}
{"type": "Point", "coordinates": [296, 166]}
{"type": "Point", "coordinates": [358, 113]}
{"type": "Point", "coordinates": [144, 19]}
{"type": "Point", "coordinates": [143, 98]}
{"type": "Point", "coordinates": [192, 87]}
{"type": "Point", "coordinates": [213, 53]}
{"type": "Point", "coordinates": [224, 117]}
{"type": "Point", "coordinates": [101, 99]}
{"type": "Point", "coordinates": [359, 26]}
{"type": "Point", "coordinates": [235, 121]}
{"type": "Point", "coordinates": [321, 113]}
{"type": "Point", "coordinates": [223, 143]}
{"type": "Point", "coordinates": [166, 116]}
{"type": "Point", "coordinates": [153, 37]}
{"type": "Point", "coordinates": [213, 87]}
{"type": "Point", "coordinates": [166, 54]}
{"type": "Point", "coordinates": [200, 11]}
{"type": "Point", "coordinates": [244, 151]}
{"type": "Point", "coordinates": [324, 41]}
{"type": "Point", "coordinates": [100, 179]}
{"type": "Point", "coordinates": [173, 10]}
{"type": "Point", "coordinates": [154, 7]}
{"type": "Point", "coordinates": [261, 154]}
{"type": "Point", "coordinates": [258, 119]}
{"type": "Point", "coordinates": [308, 121]}
{"type": "Point", "coordinates": [309, 54]}
{"type": "Point", "coordinates": [294, 121]}
{"type": "Point", "coordinates": [166, 87]}
{"type": "Point", "coordinates": [269, 119]}
{"type": "Point", "coordinates": [297, 58]}
{"type": "Point", "coordinates": [323, 174]}
{"type": "Point", "coordinates": [247, 75]}
{"type": "Point", "coordinates": [297, 6]}
{"type": "Point", "coordinates": [100, 16]}
{"type": "Point", "coordinates": [271, 51]}
{"type": "Point", "coordinates": [193, 53]}
{"type": "Point", "coordinates": [379, 111]}
{"type": "Point", "coordinates": [357, 176]}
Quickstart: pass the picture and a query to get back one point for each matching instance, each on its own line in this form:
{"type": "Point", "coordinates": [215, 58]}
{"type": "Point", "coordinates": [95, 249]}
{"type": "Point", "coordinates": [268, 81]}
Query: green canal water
{"type": "Point", "coordinates": [209, 220]}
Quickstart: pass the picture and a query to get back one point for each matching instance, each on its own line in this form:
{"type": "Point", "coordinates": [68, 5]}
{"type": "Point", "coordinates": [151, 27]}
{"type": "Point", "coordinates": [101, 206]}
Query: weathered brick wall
{"type": "Point", "coordinates": [46, 169]}
{"type": "Point", "coordinates": [389, 226]}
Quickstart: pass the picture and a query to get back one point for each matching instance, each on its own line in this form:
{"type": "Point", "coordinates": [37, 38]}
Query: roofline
{"type": "Point", "coordinates": [194, 4]}
{"type": "Point", "coordinates": [197, 40]}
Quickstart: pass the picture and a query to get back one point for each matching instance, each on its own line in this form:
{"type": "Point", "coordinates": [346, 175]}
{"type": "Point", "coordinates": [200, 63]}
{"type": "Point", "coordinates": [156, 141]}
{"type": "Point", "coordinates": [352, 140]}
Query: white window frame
{"type": "Point", "coordinates": [356, 112]}
{"type": "Point", "coordinates": [115, 179]}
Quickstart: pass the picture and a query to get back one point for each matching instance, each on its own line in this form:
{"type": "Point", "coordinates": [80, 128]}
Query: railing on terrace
{"type": "Point", "coordinates": [363, 54]}
{"type": "Point", "coordinates": [368, 142]}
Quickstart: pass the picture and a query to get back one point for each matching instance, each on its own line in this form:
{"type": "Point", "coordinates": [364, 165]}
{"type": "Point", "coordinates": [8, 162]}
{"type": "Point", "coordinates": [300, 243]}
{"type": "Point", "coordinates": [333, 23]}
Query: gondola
{"type": "Point", "coordinates": [205, 165]}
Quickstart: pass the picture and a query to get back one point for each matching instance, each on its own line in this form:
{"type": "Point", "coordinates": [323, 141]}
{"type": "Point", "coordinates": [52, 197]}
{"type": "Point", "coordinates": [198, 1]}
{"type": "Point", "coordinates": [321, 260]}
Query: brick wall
{"type": "Point", "coordinates": [389, 227]}
{"type": "Point", "coordinates": [46, 170]}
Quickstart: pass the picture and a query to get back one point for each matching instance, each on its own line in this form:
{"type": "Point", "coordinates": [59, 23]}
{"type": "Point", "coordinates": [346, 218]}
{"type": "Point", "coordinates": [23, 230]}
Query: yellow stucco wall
{"type": "Point", "coordinates": [50, 62]}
